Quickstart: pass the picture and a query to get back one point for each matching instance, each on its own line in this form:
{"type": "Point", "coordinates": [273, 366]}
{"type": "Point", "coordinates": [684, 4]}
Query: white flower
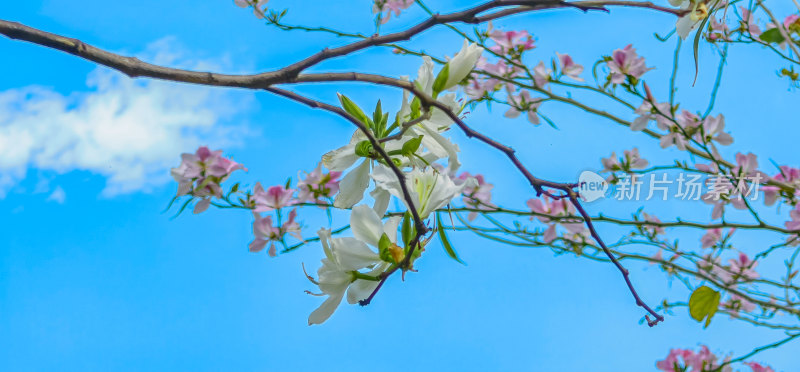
{"type": "Point", "coordinates": [687, 23]}
{"type": "Point", "coordinates": [343, 256]}
{"type": "Point", "coordinates": [462, 64]}
{"type": "Point", "coordinates": [429, 189]}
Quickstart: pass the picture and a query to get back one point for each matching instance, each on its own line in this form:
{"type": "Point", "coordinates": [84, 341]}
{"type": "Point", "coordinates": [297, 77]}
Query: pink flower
{"type": "Point", "coordinates": [276, 197]}
{"type": "Point", "coordinates": [317, 185]}
{"type": "Point", "coordinates": [790, 21]}
{"type": "Point", "coordinates": [794, 223]}
{"type": "Point", "coordinates": [713, 129]}
{"type": "Point", "coordinates": [265, 232]}
{"type": "Point", "coordinates": [258, 6]}
{"type": "Point", "coordinates": [555, 208]}
{"type": "Point", "coordinates": [712, 237]}
{"type": "Point", "coordinates": [749, 23]}
{"type": "Point", "coordinates": [673, 363]}
{"type": "Point", "coordinates": [478, 197]}
{"type": "Point", "coordinates": [685, 360]}
{"type": "Point", "coordinates": [511, 41]}
{"type": "Point", "coordinates": [647, 113]}
{"type": "Point", "coordinates": [736, 304]}
{"type": "Point", "coordinates": [523, 103]}
{"type": "Point", "coordinates": [390, 6]}
{"type": "Point", "coordinates": [718, 31]}
{"type": "Point", "coordinates": [624, 63]}
{"type": "Point", "coordinates": [653, 229]}
{"type": "Point", "coordinates": [201, 173]}
{"type": "Point", "coordinates": [758, 367]}
{"type": "Point", "coordinates": [541, 75]}
{"type": "Point", "coordinates": [569, 67]}
{"type": "Point", "coordinates": [787, 175]}
{"type": "Point", "coordinates": [740, 268]}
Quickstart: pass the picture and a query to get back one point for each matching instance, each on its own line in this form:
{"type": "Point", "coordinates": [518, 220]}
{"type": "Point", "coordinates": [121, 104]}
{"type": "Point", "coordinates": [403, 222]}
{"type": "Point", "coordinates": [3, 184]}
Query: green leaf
{"type": "Point", "coordinates": [408, 228]}
{"type": "Point", "coordinates": [772, 35]}
{"type": "Point", "coordinates": [441, 80]}
{"type": "Point", "coordinates": [383, 249]}
{"type": "Point", "coordinates": [353, 109]}
{"type": "Point", "coordinates": [411, 146]}
{"type": "Point", "coordinates": [703, 303]}
{"type": "Point", "coordinates": [415, 108]}
{"type": "Point", "coordinates": [445, 241]}
{"type": "Point", "coordinates": [377, 119]}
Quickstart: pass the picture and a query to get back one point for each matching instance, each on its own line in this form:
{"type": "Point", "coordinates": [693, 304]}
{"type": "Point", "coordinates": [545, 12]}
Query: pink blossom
{"type": "Point", "coordinates": [317, 185]}
{"type": "Point", "coordinates": [713, 236]}
{"type": "Point", "coordinates": [647, 112]}
{"type": "Point", "coordinates": [736, 304]}
{"type": "Point", "coordinates": [794, 223]}
{"type": "Point", "coordinates": [523, 103]}
{"type": "Point", "coordinates": [625, 62]}
{"type": "Point", "coordinates": [265, 232]}
{"type": "Point", "coordinates": [478, 197]}
{"type": "Point", "coordinates": [569, 67]}
{"type": "Point", "coordinates": [740, 268]}
{"type": "Point", "coordinates": [713, 128]}
{"type": "Point", "coordinates": [390, 6]}
{"type": "Point", "coordinates": [788, 175]}
{"type": "Point", "coordinates": [555, 208]}
{"type": "Point", "coordinates": [511, 41]}
{"type": "Point", "coordinates": [541, 75]}
{"type": "Point", "coordinates": [758, 367]}
{"type": "Point", "coordinates": [685, 360]}
{"type": "Point", "coordinates": [718, 31]}
{"type": "Point", "coordinates": [749, 22]}
{"type": "Point", "coordinates": [653, 229]}
{"type": "Point", "coordinates": [200, 174]}
{"type": "Point", "coordinates": [258, 6]}
{"type": "Point", "coordinates": [790, 21]}
{"type": "Point", "coordinates": [276, 197]}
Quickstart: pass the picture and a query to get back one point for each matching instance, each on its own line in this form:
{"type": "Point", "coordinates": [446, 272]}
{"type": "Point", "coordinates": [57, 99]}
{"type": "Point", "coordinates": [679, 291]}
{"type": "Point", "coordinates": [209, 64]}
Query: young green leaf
{"type": "Point", "coordinates": [772, 35]}
{"type": "Point", "coordinates": [445, 241]}
{"type": "Point", "coordinates": [353, 109]}
{"type": "Point", "coordinates": [441, 80]}
{"type": "Point", "coordinates": [411, 146]}
{"type": "Point", "coordinates": [408, 228]}
{"type": "Point", "coordinates": [703, 303]}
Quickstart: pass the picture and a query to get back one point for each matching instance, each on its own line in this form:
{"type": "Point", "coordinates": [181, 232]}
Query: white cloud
{"type": "Point", "coordinates": [58, 195]}
{"type": "Point", "coordinates": [130, 131]}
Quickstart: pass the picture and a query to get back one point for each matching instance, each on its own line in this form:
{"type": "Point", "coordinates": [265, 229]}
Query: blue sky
{"type": "Point", "coordinates": [93, 276]}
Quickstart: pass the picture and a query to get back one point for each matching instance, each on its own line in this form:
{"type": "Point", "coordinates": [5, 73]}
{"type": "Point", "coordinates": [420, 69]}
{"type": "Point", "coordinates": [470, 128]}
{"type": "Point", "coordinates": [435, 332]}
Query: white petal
{"type": "Point", "coordinates": [341, 158]}
{"type": "Point", "coordinates": [390, 228]}
{"type": "Point", "coordinates": [382, 198]}
{"type": "Point", "coordinates": [353, 254]}
{"type": "Point", "coordinates": [324, 311]}
{"type": "Point", "coordinates": [366, 225]}
{"type": "Point", "coordinates": [425, 75]}
{"type": "Point", "coordinates": [352, 187]}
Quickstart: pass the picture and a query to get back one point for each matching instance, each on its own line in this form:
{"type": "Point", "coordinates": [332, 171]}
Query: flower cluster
{"type": "Point", "coordinates": [687, 360]}
{"type": "Point", "coordinates": [200, 175]}
{"type": "Point", "coordinates": [557, 212]}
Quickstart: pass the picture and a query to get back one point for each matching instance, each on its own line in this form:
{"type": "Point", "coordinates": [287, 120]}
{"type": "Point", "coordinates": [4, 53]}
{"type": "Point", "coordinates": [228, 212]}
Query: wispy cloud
{"type": "Point", "coordinates": [58, 195]}
{"type": "Point", "coordinates": [130, 131]}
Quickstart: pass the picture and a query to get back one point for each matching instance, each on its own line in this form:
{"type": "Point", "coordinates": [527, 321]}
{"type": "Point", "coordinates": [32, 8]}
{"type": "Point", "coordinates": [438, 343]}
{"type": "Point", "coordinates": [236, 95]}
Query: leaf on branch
{"type": "Point", "coordinates": [353, 109]}
{"type": "Point", "coordinates": [445, 241]}
{"type": "Point", "coordinates": [441, 80]}
{"type": "Point", "coordinates": [772, 35]}
{"type": "Point", "coordinates": [411, 147]}
{"type": "Point", "coordinates": [703, 303]}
